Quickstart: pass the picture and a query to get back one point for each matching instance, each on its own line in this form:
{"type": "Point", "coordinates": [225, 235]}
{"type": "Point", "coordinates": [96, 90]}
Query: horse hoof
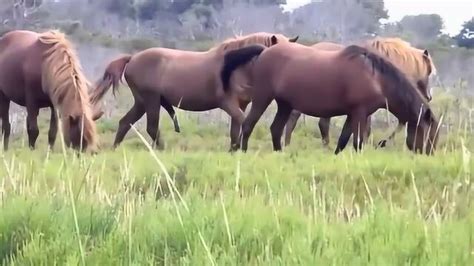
{"type": "Point", "coordinates": [382, 144]}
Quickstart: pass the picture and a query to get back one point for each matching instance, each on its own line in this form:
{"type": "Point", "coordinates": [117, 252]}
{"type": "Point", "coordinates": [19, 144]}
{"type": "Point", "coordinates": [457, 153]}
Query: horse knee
{"type": "Point", "coordinates": [123, 123]}
{"type": "Point", "coordinates": [32, 128]}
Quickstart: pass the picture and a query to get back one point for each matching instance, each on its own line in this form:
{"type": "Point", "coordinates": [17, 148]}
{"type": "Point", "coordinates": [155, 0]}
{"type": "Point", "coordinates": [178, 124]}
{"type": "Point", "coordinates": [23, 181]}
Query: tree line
{"type": "Point", "coordinates": [176, 20]}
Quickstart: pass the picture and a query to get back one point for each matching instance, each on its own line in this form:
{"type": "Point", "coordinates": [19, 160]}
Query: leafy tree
{"type": "Point", "coordinates": [123, 8]}
{"type": "Point", "coordinates": [465, 38]}
{"type": "Point", "coordinates": [425, 26]}
{"type": "Point", "coordinates": [375, 11]}
{"type": "Point", "coordinates": [339, 20]}
{"type": "Point", "coordinates": [148, 9]}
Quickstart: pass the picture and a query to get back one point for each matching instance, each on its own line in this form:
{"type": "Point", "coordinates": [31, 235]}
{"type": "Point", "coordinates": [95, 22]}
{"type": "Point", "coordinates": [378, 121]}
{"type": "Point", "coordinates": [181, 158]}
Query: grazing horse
{"type": "Point", "coordinates": [353, 82]}
{"type": "Point", "coordinates": [415, 63]}
{"type": "Point", "coordinates": [39, 70]}
{"type": "Point", "coordinates": [185, 79]}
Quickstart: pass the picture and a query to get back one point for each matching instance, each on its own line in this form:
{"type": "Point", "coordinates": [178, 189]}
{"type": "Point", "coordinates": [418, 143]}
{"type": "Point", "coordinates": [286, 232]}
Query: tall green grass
{"type": "Point", "coordinates": [196, 204]}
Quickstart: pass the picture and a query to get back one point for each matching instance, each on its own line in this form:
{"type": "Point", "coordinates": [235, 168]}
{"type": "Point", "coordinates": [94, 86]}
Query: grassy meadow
{"type": "Point", "coordinates": [195, 204]}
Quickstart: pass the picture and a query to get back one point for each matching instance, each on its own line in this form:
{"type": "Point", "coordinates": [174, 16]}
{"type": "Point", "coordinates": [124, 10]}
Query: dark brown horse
{"type": "Point", "coordinates": [353, 82]}
{"type": "Point", "coordinates": [415, 63]}
{"type": "Point", "coordinates": [39, 70]}
{"type": "Point", "coordinates": [185, 79]}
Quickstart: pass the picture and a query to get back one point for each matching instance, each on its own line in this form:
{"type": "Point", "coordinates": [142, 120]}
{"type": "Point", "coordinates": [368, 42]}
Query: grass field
{"type": "Point", "coordinates": [196, 204]}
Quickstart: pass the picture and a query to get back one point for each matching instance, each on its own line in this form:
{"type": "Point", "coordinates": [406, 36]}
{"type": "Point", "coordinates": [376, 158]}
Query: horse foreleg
{"type": "Point", "coordinates": [132, 116]}
{"type": "Point", "coordinates": [278, 125]}
{"type": "Point", "coordinates": [358, 125]}
{"type": "Point", "coordinates": [324, 124]}
{"type": "Point", "coordinates": [152, 109]}
{"type": "Point", "coordinates": [32, 124]}
{"type": "Point", "coordinates": [53, 127]}
{"type": "Point", "coordinates": [291, 125]}
{"type": "Point", "coordinates": [345, 135]}
{"type": "Point", "coordinates": [169, 108]}
{"type": "Point", "coordinates": [4, 115]}
{"type": "Point", "coordinates": [399, 128]}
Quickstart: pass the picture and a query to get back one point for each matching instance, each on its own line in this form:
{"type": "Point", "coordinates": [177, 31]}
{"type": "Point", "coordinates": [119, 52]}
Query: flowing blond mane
{"type": "Point", "coordinates": [65, 81]}
{"type": "Point", "coordinates": [406, 57]}
{"type": "Point", "coordinates": [263, 38]}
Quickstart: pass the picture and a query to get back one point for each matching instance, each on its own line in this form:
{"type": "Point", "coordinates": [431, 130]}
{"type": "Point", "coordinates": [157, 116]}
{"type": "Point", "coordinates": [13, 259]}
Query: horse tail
{"type": "Point", "coordinates": [111, 78]}
{"type": "Point", "coordinates": [404, 91]}
{"type": "Point", "coordinates": [236, 58]}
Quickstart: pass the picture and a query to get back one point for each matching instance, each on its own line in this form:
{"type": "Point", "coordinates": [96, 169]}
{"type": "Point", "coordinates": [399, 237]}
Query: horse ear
{"type": "Point", "coordinates": [274, 40]}
{"type": "Point", "coordinates": [425, 53]}
{"type": "Point", "coordinates": [294, 39]}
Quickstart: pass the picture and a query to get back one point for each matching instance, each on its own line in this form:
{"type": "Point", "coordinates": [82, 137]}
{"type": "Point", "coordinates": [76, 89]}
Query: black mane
{"type": "Point", "coordinates": [403, 89]}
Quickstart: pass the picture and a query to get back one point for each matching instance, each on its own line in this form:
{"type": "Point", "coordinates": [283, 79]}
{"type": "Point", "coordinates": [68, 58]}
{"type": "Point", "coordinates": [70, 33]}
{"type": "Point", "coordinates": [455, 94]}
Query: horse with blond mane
{"type": "Point", "coordinates": [417, 64]}
{"type": "Point", "coordinates": [186, 79]}
{"type": "Point", "coordinates": [39, 70]}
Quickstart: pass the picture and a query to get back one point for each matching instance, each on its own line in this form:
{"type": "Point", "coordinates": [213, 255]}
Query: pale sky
{"type": "Point", "coordinates": [453, 12]}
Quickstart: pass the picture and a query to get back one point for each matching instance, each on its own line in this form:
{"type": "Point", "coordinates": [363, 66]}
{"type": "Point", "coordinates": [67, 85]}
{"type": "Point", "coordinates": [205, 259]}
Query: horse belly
{"type": "Point", "coordinates": [191, 94]}
{"type": "Point", "coordinates": [315, 98]}
{"type": "Point", "coordinates": [191, 98]}
{"type": "Point", "coordinates": [320, 106]}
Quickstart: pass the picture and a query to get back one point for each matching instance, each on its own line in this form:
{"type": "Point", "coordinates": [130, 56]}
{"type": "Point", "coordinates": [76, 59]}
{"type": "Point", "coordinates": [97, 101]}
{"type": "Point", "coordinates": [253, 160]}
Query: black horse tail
{"type": "Point", "coordinates": [404, 90]}
{"type": "Point", "coordinates": [236, 58]}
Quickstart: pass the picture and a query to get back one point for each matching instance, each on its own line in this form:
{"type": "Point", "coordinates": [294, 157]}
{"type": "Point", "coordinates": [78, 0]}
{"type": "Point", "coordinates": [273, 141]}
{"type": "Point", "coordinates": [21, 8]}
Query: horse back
{"type": "Point", "coordinates": [328, 46]}
{"type": "Point", "coordinates": [177, 75]}
{"type": "Point", "coordinates": [305, 76]}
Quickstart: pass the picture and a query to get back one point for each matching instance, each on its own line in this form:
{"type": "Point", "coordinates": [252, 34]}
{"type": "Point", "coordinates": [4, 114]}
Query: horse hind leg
{"type": "Point", "coordinates": [256, 111]}
{"type": "Point", "coordinates": [291, 125]}
{"type": "Point", "coordinates": [278, 125]}
{"type": "Point", "coordinates": [4, 115]}
{"type": "Point", "coordinates": [132, 116]}
{"type": "Point", "coordinates": [232, 107]}
{"type": "Point", "coordinates": [235, 127]}
{"type": "Point", "coordinates": [169, 108]}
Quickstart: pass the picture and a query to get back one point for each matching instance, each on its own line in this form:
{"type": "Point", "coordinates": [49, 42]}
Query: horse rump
{"type": "Point", "coordinates": [236, 58]}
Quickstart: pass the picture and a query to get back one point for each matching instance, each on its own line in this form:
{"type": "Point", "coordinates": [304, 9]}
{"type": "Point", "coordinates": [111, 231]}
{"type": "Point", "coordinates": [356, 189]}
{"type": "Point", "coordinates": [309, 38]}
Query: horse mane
{"type": "Point", "coordinates": [65, 81]}
{"type": "Point", "coordinates": [404, 90]}
{"type": "Point", "coordinates": [263, 38]}
{"type": "Point", "coordinates": [403, 55]}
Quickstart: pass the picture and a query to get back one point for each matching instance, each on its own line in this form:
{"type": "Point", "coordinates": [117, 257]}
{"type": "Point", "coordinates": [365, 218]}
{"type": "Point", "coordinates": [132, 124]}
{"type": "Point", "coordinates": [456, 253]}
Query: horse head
{"type": "Point", "coordinates": [422, 135]}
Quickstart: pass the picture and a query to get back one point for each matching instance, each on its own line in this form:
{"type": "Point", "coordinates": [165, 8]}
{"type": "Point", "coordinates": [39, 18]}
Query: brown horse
{"type": "Point", "coordinates": [185, 79]}
{"type": "Point", "coordinates": [39, 70]}
{"type": "Point", "coordinates": [415, 63]}
{"type": "Point", "coordinates": [353, 82]}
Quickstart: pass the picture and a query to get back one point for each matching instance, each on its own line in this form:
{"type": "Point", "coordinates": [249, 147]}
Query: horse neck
{"type": "Point", "coordinates": [401, 102]}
